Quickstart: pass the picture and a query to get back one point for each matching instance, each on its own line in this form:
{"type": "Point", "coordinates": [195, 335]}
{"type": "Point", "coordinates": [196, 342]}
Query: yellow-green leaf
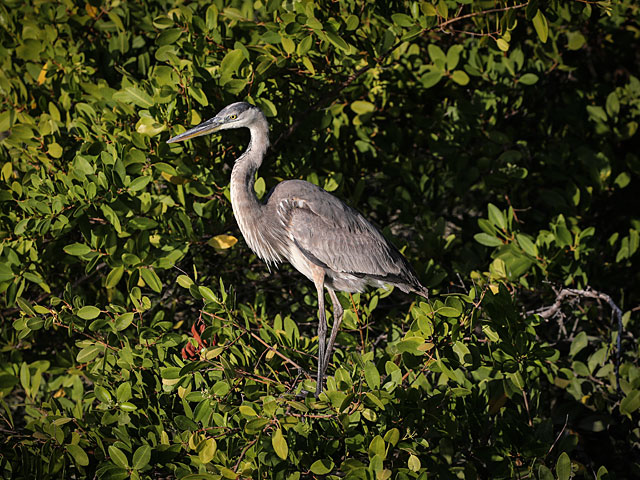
{"type": "Point", "coordinates": [114, 277]}
{"type": "Point", "coordinates": [247, 411]}
{"type": "Point", "coordinates": [141, 457]}
{"type": "Point", "coordinates": [88, 312]}
{"type": "Point", "coordinates": [280, 444]}
{"type": "Point", "coordinates": [362, 107]}
{"type": "Point", "coordinates": [413, 463]}
{"type": "Point", "coordinates": [151, 279]}
{"type": "Point", "coordinates": [207, 450]}
{"type": "Point", "coordinates": [79, 455]}
{"type": "Point", "coordinates": [118, 457]}
{"type": "Point", "coordinates": [288, 45]}
{"type": "Point", "coordinates": [322, 466]}
{"type": "Point", "coordinates": [222, 242]}
{"type": "Point", "coordinates": [54, 150]}
{"type": "Point", "coordinates": [460, 77]}
{"type": "Point", "coordinates": [502, 44]}
{"type": "Point", "coordinates": [541, 25]}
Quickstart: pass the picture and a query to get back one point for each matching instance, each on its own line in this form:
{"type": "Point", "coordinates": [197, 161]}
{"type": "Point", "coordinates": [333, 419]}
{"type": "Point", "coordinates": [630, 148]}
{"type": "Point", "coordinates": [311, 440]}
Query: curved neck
{"type": "Point", "coordinates": [245, 167]}
{"type": "Point", "coordinates": [246, 207]}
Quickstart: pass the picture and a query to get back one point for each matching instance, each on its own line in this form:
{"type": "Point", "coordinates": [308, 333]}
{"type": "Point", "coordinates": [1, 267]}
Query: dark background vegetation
{"type": "Point", "coordinates": [495, 143]}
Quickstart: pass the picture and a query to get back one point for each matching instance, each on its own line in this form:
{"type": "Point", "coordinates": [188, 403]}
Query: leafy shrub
{"type": "Point", "coordinates": [493, 142]}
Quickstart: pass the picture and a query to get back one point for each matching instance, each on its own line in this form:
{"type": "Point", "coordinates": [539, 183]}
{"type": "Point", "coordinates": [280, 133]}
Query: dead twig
{"type": "Point", "coordinates": [561, 297]}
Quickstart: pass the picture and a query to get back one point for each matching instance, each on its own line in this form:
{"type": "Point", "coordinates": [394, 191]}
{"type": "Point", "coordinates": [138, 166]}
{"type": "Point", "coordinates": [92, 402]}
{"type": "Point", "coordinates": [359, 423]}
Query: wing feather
{"type": "Point", "coordinates": [335, 236]}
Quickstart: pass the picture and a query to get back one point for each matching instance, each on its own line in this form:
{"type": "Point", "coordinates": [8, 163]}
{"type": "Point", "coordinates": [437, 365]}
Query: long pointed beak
{"type": "Point", "coordinates": [208, 126]}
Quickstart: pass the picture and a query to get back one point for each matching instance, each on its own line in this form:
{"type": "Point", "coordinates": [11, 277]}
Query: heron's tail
{"type": "Point", "coordinates": [422, 291]}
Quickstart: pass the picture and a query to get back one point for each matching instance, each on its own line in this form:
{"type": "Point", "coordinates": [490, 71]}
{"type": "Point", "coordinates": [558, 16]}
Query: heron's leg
{"type": "Point", "coordinates": [318, 280]}
{"type": "Point", "coordinates": [338, 311]}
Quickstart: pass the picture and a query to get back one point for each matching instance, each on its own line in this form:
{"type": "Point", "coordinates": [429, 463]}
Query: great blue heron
{"type": "Point", "coordinates": [327, 241]}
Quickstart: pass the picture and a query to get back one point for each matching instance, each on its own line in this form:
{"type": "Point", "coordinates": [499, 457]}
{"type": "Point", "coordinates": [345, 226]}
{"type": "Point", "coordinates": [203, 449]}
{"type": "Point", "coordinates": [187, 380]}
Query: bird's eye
{"type": "Point", "coordinates": [233, 117]}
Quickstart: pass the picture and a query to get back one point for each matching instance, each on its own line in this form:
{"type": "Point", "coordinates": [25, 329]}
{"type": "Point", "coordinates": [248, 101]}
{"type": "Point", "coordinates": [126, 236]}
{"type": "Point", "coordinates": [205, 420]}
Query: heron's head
{"type": "Point", "coordinates": [236, 115]}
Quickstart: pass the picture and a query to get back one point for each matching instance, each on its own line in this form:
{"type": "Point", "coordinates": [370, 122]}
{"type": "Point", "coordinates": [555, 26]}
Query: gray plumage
{"type": "Point", "coordinates": [329, 242]}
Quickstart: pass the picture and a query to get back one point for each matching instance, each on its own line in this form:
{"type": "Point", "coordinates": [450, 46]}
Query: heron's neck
{"type": "Point", "coordinates": [246, 207]}
{"type": "Point", "coordinates": [244, 170]}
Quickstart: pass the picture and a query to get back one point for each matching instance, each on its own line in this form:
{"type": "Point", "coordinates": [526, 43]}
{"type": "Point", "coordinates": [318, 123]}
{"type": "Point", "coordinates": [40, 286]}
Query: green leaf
{"type": "Point", "coordinates": [323, 466]}
{"type": "Point", "coordinates": [110, 215]}
{"type": "Point", "coordinates": [141, 457]}
{"type": "Point", "coordinates": [613, 104]}
{"type": "Point", "coordinates": [431, 78]}
{"type": "Point", "coordinates": [79, 456]}
{"type": "Point", "coordinates": [527, 245]}
{"type": "Point", "coordinates": [453, 56]}
{"type": "Point", "coordinates": [502, 44]}
{"type": "Point", "coordinates": [54, 150]}
{"type": "Point", "coordinates": [544, 473]}
{"type": "Point", "coordinates": [602, 474]}
{"type": "Point", "coordinates": [449, 312]}
{"type": "Point", "coordinates": [142, 223]}
{"type": "Point", "coordinates": [487, 240]}
{"type": "Point", "coordinates": [123, 321]}
{"type": "Point", "coordinates": [377, 447]}
{"type": "Point", "coordinates": [497, 217]}
{"type": "Point", "coordinates": [596, 113]}
{"type": "Point", "coordinates": [169, 36]}
{"type": "Point", "coordinates": [579, 342]}
{"type": "Point", "coordinates": [208, 294]}
{"type": "Point", "coordinates": [442, 9]}
{"type": "Point", "coordinates": [563, 236]}
{"type": "Point", "coordinates": [88, 353]}
{"type": "Point", "coordinates": [127, 406]}
{"type": "Point", "coordinates": [114, 277]}
{"type": "Point", "coordinates": [123, 393]}
{"type": "Point", "coordinates": [88, 312]}
{"type": "Point", "coordinates": [247, 411]}
{"type": "Point", "coordinates": [361, 107]}
{"type": "Point", "coordinates": [460, 77]}
{"type": "Point", "coordinates": [198, 95]}
{"type": "Point", "coordinates": [410, 345]}
{"type": "Point", "coordinates": [392, 436]}
{"type": "Point", "coordinates": [436, 54]}
{"type": "Point", "coordinates": [102, 394]}
{"type": "Point", "coordinates": [541, 26]}
{"type": "Point", "coordinates": [151, 279]}
{"type": "Point", "coordinates": [375, 400]}
{"type": "Point", "coordinates": [139, 183]}
{"type": "Point", "coordinates": [207, 450]}
{"type": "Point", "coordinates": [134, 95]}
{"type": "Point", "coordinates": [402, 19]}
{"type": "Point", "coordinates": [337, 41]}
{"type": "Point", "coordinates": [563, 467]}
{"type": "Point", "coordinates": [280, 444]}
{"type": "Point", "coordinates": [414, 463]}
{"type": "Point", "coordinates": [77, 249]}
{"type": "Point", "coordinates": [528, 79]}
{"type": "Point", "coordinates": [288, 45]}
{"type": "Point", "coordinates": [622, 180]}
{"type": "Point", "coordinates": [230, 64]}
{"type": "Point", "coordinates": [372, 376]}
{"type": "Point", "coordinates": [255, 425]}
{"type": "Point", "coordinates": [630, 403]}
{"type": "Point", "coordinates": [118, 457]}
{"type": "Point", "coordinates": [575, 40]}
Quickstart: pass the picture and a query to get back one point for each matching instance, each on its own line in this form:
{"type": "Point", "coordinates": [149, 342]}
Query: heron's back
{"type": "Point", "coordinates": [323, 230]}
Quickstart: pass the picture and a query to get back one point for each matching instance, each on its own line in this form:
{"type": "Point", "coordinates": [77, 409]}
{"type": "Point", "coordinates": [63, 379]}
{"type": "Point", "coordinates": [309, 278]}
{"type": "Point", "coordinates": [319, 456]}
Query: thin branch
{"type": "Point", "coordinates": [566, 420]}
{"type": "Point", "coordinates": [483, 12]}
{"type": "Point", "coordinates": [554, 309]}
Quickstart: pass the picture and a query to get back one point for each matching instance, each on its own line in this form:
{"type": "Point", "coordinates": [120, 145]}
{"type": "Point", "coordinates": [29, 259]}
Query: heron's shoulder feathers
{"type": "Point", "coordinates": [335, 236]}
